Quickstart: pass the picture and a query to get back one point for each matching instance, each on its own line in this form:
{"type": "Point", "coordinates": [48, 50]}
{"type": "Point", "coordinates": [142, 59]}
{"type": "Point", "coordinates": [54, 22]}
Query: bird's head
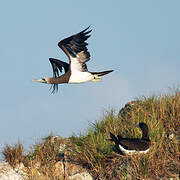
{"type": "Point", "coordinates": [145, 130]}
{"type": "Point", "coordinates": [43, 80]}
{"type": "Point", "coordinates": [142, 125]}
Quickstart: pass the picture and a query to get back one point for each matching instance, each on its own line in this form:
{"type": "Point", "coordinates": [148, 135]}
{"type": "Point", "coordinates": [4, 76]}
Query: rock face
{"type": "Point", "coordinates": [69, 172]}
{"type": "Point", "coordinates": [9, 173]}
{"type": "Point", "coordinates": [123, 113]}
{"type": "Point", "coordinates": [81, 176]}
{"type": "Point", "coordinates": [62, 168]}
{"type": "Point", "coordinates": [76, 172]}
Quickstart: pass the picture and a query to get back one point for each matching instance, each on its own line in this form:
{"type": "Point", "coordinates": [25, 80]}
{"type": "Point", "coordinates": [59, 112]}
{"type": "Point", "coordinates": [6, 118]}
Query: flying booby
{"type": "Point", "coordinates": [75, 47]}
{"type": "Point", "coordinates": [133, 145]}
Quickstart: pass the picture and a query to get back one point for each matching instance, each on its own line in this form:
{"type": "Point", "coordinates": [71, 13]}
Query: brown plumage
{"type": "Point", "coordinates": [133, 145]}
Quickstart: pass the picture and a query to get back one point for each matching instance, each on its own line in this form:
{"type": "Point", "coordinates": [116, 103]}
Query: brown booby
{"type": "Point", "coordinates": [76, 71]}
{"type": "Point", "coordinates": [133, 145]}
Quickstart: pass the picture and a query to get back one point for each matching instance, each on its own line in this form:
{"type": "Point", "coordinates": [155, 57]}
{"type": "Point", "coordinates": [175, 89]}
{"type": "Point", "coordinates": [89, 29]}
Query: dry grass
{"type": "Point", "coordinates": [94, 151]}
{"type": "Point", "coordinates": [14, 154]}
{"type": "Point", "coordinates": [40, 162]}
{"type": "Point", "coordinates": [162, 114]}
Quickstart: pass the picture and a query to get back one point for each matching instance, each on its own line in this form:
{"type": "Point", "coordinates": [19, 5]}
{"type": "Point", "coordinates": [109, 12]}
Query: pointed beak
{"type": "Point", "coordinates": [40, 80]}
{"type": "Point", "coordinates": [136, 125]}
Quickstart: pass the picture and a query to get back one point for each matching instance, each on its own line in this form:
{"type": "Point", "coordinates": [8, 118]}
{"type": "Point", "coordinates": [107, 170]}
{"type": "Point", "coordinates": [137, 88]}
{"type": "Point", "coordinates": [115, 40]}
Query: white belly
{"type": "Point", "coordinates": [125, 151]}
{"type": "Point", "coordinates": [80, 77]}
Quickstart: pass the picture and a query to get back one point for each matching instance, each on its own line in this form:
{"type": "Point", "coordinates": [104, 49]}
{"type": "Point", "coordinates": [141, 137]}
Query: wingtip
{"type": "Point", "coordinates": [85, 30]}
{"type": "Point", "coordinates": [111, 70]}
{"type": "Point", "coordinates": [88, 27]}
{"type": "Point", "coordinates": [111, 134]}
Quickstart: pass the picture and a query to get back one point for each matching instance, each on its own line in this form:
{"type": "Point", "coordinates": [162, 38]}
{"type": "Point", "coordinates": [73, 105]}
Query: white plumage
{"type": "Point", "coordinates": [80, 77]}
{"type": "Point", "coordinates": [125, 151]}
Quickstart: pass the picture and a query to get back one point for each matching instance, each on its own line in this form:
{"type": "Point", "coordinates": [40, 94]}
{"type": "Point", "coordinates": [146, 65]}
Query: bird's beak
{"type": "Point", "coordinates": [40, 80]}
{"type": "Point", "coordinates": [136, 125]}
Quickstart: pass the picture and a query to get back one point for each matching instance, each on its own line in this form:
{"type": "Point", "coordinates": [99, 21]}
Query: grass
{"type": "Point", "coordinates": [93, 151]}
{"type": "Point", "coordinates": [14, 155]}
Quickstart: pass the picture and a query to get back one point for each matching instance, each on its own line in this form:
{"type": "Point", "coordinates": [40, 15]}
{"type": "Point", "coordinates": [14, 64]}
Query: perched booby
{"type": "Point", "coordinates": [76, 71]}
{"type": "Point", "coordinates": [133, 145]}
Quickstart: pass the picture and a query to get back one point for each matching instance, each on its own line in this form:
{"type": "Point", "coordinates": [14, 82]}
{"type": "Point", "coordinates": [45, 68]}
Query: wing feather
{"type": "Point", "coordinates": [135, 144]}
{"type": "Point", "coordinates": [75, 48]}
{"type": "Point", "coordinates": [57, 67]}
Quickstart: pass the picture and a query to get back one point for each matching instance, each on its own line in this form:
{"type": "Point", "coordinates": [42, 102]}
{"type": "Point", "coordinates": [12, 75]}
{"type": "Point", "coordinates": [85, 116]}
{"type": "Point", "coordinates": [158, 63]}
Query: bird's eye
{"type": "Point", "coordinates": [43, 79]}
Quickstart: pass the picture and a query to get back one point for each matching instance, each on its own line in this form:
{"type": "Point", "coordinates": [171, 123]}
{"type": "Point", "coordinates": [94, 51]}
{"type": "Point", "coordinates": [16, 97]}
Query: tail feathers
{"type": "Point", "coordinates": [101, 73]}
{"type": "Point", "coordinates": [119, 137]}
{"type": "Point", "coordinates": [114, 138]}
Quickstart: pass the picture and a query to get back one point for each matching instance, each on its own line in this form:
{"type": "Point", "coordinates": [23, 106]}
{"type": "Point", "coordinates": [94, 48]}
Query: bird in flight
{"type": "Point", "coordinates": [75, 47]}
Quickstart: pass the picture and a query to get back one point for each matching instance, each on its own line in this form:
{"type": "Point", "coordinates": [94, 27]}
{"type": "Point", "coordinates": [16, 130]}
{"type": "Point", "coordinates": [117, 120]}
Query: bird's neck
{"type": "Point", "coordinates": [59, 80]}
{"type": "Point", "coordinates": [145, 135]}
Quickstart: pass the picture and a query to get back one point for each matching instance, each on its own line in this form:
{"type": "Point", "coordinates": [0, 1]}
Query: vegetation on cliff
{"type": "Point", "coordinates": [94, 152]}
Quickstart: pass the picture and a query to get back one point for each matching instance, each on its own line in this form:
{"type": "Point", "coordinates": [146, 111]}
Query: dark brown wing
{"type": "Point", "coordinates": [57, 67]}
{"type": "Point", "coordinates": [134, 144]}
{"type": "Point", "coordinates": [114, 138]}
{"type": "Point", "coordinates": [76, 50]}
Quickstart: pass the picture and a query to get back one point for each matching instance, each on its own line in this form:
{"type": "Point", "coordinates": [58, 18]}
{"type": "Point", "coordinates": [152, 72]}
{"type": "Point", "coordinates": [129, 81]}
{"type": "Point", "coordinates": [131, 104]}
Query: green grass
{"type": "Point", "coordinates": [161, 113]}
{"type": "Point", "coordinates": [95, 152]}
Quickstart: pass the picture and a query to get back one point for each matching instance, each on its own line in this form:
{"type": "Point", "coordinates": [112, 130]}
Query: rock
{"type": "Point", "coordinates": [9, 173]}
{"type": "Point", "coordinates": [126, 109]}
{"type": "Point", "coordinates": [81, 176]}
{"type": "Point", "coordinates": [72, 169]}
{"type": "Point", "coordinates": [63, 171]}
{"type": "Point", "coordinates": [60, 169]}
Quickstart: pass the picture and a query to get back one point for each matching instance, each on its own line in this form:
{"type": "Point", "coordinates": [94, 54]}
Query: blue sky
{"type": "Point", "coordinates": [138, 39]}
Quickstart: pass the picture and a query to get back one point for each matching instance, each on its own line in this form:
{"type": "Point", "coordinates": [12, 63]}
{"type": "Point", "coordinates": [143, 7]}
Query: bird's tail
{"type": "Point", "coordinates": [97, 75]}
{"type": "Point", "coordinates": [101, 73]}
{"type": "Point", "coordinates": [114, 138]}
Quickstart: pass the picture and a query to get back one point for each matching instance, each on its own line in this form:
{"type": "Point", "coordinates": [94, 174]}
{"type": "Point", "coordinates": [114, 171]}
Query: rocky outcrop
{"type": "Point", "coordinates": [70, 171]}
{"type": "Point", "coordinates": [7, 172]}
{"type": "Point", "coordinates": [59, 167]}
{"type": "Point", "coordinates": [64, 171]}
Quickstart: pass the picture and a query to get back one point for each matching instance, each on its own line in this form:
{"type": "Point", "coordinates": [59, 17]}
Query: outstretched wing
{"type": "Point", "coordinates": [57, 67]}
{"type": "Point", "coordinates": [76, 50]}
